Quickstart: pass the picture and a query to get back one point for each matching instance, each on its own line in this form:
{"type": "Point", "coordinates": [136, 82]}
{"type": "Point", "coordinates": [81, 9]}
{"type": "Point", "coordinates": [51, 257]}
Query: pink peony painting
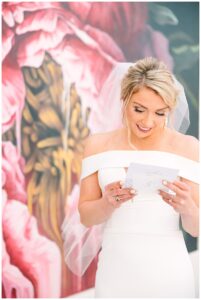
{"type": "Point", "coordinates": [56, 57]}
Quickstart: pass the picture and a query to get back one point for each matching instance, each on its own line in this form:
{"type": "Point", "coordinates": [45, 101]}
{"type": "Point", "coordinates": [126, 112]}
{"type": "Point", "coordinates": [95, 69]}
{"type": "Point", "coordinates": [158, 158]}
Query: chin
{"type": "Point", "coordinates": [143, 136]}
{"type": "Point", "coordinates": [143, 133]}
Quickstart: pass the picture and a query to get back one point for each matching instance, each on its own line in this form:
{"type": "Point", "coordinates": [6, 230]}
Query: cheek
{"type": "Point", "coordinates": [132, 116]}
{"type": "Point", "coordinates": [160, 121]}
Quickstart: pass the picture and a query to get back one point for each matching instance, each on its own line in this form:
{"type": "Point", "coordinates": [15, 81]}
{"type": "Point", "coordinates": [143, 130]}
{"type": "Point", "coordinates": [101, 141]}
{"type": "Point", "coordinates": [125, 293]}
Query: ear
{"type": "Point", "coordinates": [170, 118]}
{"type": "Point", "coordinates": [123, 113]}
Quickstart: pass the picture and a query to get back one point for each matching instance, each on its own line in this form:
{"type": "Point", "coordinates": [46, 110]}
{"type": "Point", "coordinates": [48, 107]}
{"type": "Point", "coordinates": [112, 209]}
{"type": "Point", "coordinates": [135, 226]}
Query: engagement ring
{"type": "Point", "coordinates": [117, 198]}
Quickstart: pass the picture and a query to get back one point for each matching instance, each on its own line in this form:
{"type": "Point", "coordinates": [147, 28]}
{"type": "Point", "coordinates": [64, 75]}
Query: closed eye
{"type": "Point", "coordinates": [138, 109]}
{"type": "Point", "coordinates": [160, 114]}
{"type": "Point", "coordinates": [141, 110]}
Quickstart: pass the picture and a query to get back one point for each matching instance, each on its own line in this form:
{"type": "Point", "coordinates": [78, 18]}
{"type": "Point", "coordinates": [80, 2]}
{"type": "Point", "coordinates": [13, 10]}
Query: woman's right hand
{"type": "Point", "coordinates": [115, 194]}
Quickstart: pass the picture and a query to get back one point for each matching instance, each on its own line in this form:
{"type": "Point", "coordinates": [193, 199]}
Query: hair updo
{"type": "Point", "coordinates": [152, 73]}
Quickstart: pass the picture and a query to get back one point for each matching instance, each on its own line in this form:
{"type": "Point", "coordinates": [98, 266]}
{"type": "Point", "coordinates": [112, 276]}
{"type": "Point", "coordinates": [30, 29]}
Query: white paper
{"type": "Point", "coordinates": [148, 178]}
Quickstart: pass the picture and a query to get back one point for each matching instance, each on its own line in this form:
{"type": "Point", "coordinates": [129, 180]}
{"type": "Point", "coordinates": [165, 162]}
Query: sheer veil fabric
{"type": "Point", "coordinates": [82, 244]}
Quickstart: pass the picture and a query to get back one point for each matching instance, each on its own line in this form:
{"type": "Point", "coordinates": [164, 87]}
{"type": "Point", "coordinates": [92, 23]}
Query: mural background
{"type": "Point", "coordinates": [55, 59]}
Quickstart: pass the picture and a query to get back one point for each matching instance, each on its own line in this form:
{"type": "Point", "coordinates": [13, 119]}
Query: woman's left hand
{"type": "Point", "coordinates": [182, 200]}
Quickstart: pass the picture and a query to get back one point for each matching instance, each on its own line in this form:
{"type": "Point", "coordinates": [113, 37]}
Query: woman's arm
{"type": "Point", "coordinates": [186, 200]}
{"type": "Point", "coordinates": [93, 206]}
{"type": "Point", "coordinates": [96, 207]}
{"type": "Point", "coordinates": [190, 217]}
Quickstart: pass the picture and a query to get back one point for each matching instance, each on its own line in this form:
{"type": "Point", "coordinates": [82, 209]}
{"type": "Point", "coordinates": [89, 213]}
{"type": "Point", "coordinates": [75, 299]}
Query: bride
{"type": "Point", "coordinates": [143, 253]}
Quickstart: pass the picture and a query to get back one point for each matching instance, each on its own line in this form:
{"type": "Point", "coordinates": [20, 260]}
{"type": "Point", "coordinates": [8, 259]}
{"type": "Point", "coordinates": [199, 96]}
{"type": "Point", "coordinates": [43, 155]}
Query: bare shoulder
{"type": "Point", "coordinates": [193, 146]}
{"type": "Point", "coordinates": [97, 143]}
{"type": "Point", "coordinates": [187, 146]}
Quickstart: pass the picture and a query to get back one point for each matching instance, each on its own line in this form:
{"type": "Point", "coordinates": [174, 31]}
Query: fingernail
{"type": "Point", "coordinates": [165, 182]}
{"type": "Point", "coordinates": [121, 182]}
{"type": "Point", "coordinates": [132, 191]}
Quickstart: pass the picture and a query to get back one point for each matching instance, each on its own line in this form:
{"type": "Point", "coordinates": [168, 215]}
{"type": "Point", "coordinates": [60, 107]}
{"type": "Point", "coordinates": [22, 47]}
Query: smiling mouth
{"type": "Point", "coordinates": [143, 129]}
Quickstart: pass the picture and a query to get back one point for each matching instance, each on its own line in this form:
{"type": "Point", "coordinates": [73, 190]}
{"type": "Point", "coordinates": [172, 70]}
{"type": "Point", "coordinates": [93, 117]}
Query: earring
{"type": "Point", "coordinates": [166, 122]}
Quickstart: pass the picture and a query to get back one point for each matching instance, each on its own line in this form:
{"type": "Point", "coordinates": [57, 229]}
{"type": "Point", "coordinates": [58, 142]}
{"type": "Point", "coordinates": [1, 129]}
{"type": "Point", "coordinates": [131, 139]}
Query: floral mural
{"type": "Point", "coordinates": [55, 59]}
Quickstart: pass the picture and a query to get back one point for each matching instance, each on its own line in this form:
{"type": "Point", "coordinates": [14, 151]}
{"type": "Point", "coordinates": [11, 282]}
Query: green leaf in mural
{"type": "Point", "coordinates": [185, 56]}
{"type": "Point", "coordinates": [179, 37]}
{"type": "Point", "coordinates": [162, 15]}
{"type": "Point", "coordinates": [189, 93]}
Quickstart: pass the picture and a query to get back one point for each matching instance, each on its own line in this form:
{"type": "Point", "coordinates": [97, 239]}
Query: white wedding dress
{"type": "Point", "coordinates": [143, 252]}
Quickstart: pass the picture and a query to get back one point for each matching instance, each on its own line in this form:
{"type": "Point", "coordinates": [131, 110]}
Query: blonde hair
{"type": "Point", "coordinates": [152, 73]}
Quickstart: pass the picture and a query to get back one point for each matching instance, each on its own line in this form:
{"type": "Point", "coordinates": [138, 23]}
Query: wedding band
{"type": "Point", "coordinates": [117, 198]}
{"type": "Point", "coordinates": [172, 197]}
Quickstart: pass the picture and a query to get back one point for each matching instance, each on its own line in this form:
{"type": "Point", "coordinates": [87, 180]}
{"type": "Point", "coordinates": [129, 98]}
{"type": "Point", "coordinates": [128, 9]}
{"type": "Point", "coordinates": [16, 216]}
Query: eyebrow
{"type": "Point", "coordinates": [134, 102]}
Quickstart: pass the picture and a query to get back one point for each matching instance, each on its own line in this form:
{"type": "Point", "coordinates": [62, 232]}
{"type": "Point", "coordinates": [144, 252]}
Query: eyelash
{"type": "Point", "coordinates": [141, 111]}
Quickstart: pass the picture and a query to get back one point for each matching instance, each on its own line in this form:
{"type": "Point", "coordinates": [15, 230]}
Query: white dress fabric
{"type": "Point", "coordinates": [143, 253]}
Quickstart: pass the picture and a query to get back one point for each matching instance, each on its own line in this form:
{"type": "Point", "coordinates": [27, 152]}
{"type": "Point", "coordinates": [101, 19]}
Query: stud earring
{"type": "Point", "coordinates": [166, 122]}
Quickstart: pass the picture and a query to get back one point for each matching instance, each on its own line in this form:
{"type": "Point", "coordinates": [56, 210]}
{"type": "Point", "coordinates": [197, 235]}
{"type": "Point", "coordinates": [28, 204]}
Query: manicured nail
{"type": "Point", "coordinates": [121, 182]}
{"type": "Point", "coordinates": [165, 182]}
{"type": "Point", "coordinates": [132, 191]}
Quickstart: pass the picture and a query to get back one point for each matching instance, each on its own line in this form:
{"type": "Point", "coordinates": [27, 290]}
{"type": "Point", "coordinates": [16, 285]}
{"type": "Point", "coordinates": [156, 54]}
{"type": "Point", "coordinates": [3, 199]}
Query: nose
{"type": "Point", "coordinates": [148, 120]}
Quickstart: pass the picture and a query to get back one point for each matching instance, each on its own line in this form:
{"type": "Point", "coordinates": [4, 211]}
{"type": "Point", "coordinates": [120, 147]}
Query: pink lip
{"type": "Point", "coordinates": [145, 131]}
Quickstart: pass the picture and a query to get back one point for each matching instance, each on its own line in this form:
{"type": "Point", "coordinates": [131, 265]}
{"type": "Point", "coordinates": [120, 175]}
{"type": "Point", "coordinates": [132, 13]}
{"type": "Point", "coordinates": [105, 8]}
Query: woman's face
{"type": "Point", "coordinates": [146, 113]}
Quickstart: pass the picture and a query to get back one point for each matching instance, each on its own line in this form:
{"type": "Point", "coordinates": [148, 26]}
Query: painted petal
{"type": "Point", "coordinates": [13, 280]}
{"type": "Point", "coordinates": [80, 9]}
{"type": "Point", "coordinates": [12, 168]}
{"type": "Point", "coordinates": [14, 12]}
{"type": "Point", "coordinates": [35, 42]}
{"type": "Point", "coordinates": [154, 43]}
{"type": "Point", "coordinates": [107, 44]}
{"type": "Point", "coordinates": [7, 39]}
{"type": "Point", "coordinates": [13, 91]}
{"type": "Point", "coordinates": [40, 20]}
{"type": "Point", "coordinates": [37, 257]}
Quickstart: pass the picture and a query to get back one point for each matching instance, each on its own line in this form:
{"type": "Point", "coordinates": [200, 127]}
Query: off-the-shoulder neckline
{"type": "Point", "coordinates": [137, 151]}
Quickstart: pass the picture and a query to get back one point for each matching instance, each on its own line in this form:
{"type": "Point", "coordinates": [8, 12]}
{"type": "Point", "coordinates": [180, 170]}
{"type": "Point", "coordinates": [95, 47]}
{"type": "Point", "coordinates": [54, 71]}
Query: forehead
{"type": "Point", "coordinates": [148, 98]}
